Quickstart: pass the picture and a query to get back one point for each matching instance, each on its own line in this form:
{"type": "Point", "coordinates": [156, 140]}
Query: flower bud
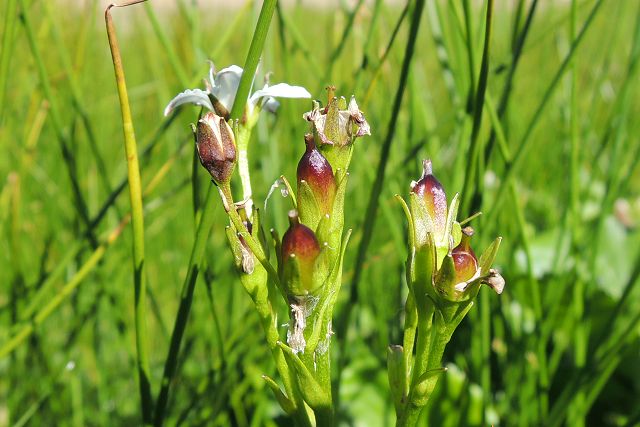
{"type": "Point", "coordinates": [429, 190]}
{"type": "Point", "coordinates": [300, 249]}
{"type": "Point", "coordinates": [216, 147]}
{"type": "Point", "coordinates": [315, 170]}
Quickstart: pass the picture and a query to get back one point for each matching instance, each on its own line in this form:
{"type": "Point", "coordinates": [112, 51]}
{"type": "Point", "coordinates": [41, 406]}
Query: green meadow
{"type": "Point", "coordinates": [536, 126]}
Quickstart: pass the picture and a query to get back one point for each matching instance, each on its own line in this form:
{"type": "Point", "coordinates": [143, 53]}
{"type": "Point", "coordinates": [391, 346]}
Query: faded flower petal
{"type": "Point", "coordinates": [189, 96]}
{"type": "Point", "coordinates": [221, 90]}
{"type": "Point", "coordinates": [337, 125]}
{"type": "Point", "coordinates": [357, 116]}
{"type": "Point", "coordinates": [225, 85]}
{"type": "Point", "coordinates": [280, 90]}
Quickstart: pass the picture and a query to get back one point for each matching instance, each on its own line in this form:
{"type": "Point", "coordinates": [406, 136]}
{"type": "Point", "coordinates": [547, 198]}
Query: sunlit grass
{"type": "Point", "coordinates": [559, 346]}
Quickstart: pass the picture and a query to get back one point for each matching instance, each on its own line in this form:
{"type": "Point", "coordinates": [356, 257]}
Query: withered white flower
{"type": "Point", "coordinates": [221, 90]}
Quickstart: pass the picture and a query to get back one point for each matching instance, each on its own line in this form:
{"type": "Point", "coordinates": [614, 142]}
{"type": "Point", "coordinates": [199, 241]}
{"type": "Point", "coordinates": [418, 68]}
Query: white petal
{"type": "Point", "coordinates": [280, 90]}
{"type": "Point", "coordinates": [189, 96]}
{"type": "Point", "coordinates": [226, 84]}
{"type": "Point", "coordinates": [271, 105]}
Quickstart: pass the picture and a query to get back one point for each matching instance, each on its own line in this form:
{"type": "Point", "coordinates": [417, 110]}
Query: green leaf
{"type": "Point", "coordinates": [397, 375]}
{"type": "Point", "coordinates": [286, 404]}
{"type": "Point", "coordinates": [488, 256]}
{"type": "Point", "coordinates": [311, 391]}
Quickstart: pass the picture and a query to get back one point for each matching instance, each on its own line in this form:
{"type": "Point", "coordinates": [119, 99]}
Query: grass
{"type": "Point", "coordinates": [548, 155]}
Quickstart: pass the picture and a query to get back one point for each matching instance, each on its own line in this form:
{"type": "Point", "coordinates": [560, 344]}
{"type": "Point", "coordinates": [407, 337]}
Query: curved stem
{"type": "Point", "coordinates": [137, 222]}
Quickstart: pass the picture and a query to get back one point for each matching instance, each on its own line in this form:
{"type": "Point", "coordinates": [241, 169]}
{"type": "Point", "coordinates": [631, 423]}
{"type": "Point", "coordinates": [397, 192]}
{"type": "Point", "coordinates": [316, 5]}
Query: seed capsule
{"type": "Point", "coordinates": [429, 189]}
{"type": "Point", "coordinates": [300, 248]}
{"type": "Point", "coordinates": [299, 241]}
{"type": "Point", "coordinates": [216, 147]}
{"type": "Point", "coordinates": [315, 170]}
{"type": "Point", "coordinates": [464, 259]}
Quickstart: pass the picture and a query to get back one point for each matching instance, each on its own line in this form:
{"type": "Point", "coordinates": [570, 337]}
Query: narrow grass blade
{"type": "Point", "coordinates": [137, 220]}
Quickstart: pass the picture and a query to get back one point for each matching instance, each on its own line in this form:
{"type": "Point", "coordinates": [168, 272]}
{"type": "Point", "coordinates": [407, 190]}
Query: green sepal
{"type": "Point", "coordinates": [407, 213]}
{"type": "Point", "coordinates": [297, 283]}
{"type": "Point", "coordinates": [334, 234]}
{"type": "Point", "coordinates": [329, 229]}
{"type": "Point", "coordinates": [424, 265]}
{"type": "Point", "coordinates": [452, 213]}
{"type": "Point", "coordinates": [255, 282]}
{"type": "Point", "coordinates": [339, 153]}
{"type": "Point", "coordinates": [290, 191]}
{"type": "Point", "coordinates": [425, 385]}
{"type": "Point", "coordinates": [460, 309]}
{"type": "Point", "coordinates": [335, 279]}
{"type": "Point", "coordinates": [286, 404]}
{"type": "Point", "coordinates": [444, 244]}
{"type": "Point", "coordinates": [422, 223]}
{"type": "Point", "coordinates": [258, 232]}
{"type": "Point", "coordinates": [311, 391]}
{"type": "Point", "coordinates": [446, 280]}
{"type": "Point", "coordinates": [488, 256]}
{"type": "Point", "coordinates": [397, 373]}
{"type": "Point", "coordinates": [430, 375]}
{"type": "Point", "coordinates": [338, 156]}
{"type": "Point", "coordinates": [322, 268]}
{"type": "Point", "coordinates": [456, 234]}
{"type": "Point", "coordinates": [329, 295]}
{"type": "Point", "coordinates": [308, 208]}
{"type": "Point", "coordinates": [277, 244]}
{"type": "Point", "coordinates": [332, 128]}
{"type": "Point", "coordinates": [235, 245]}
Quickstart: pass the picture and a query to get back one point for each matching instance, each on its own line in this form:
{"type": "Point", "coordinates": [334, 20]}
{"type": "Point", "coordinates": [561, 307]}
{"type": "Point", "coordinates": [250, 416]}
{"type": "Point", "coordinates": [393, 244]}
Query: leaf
{"type": "Point", "coordinates": [488, 256]}
{"type": "Point", "coordinates": [286, 404]}
{"type": "Point", "coordinates": [311, 391]}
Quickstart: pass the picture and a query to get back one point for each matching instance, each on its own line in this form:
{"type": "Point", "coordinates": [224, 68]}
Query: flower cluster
{"type": "Point", "coordinates": [443, 265]}
{"type": "Point", "coordinates": [444, 276]}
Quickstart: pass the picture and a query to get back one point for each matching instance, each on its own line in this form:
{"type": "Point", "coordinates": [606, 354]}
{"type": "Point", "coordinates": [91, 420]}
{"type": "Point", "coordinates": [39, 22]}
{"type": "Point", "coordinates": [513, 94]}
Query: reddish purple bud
{"type": "Point", "coordinates": [300, 241]}
{"type": "Point", "coordinates": [432, 193]}
{"type": "Point", "coordinates": [464, 259]}
{"type": "Point", "coordinates": [216, 147]}
{"type": "Point", "coordinates": [314, 168]}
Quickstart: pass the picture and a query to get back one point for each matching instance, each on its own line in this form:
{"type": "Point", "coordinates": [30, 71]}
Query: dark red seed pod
{"type": "Point", "coordinates": [300, 241]}
{"type": "Point", "coordinates": [315, 169]}
{"type": "Point", "coordinates": [464, 259]}
{"type": "Point", "coordinates": [216, 147]}
{"type": "Point", "coordinates": [431, 191]}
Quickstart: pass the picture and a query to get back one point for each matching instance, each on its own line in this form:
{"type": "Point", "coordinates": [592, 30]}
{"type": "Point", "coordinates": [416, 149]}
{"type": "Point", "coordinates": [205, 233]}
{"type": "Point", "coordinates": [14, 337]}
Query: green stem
{"type": "Point", "coordinates": [242, 142]}
{"type": "Point", "coordinates": [251, 63]}
{"type": "Point", "coordinates": [474, 148]}
{"type": "Point", "coordinates": [186, 298]}
{"type": "Point", "coordinates": [238, 111]}
{"type": "Point", "coordinates": [411, 410]}
{"type": "Point", "coordinates": [409, 338]}
{"type": "Point", "coordinates": [137, 220]}
{"type": "Point", "coordinates": [8, 37]}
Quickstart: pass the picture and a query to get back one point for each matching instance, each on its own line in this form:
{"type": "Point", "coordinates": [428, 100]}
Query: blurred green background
{"type": "Point", "coordinates": [559, 347]}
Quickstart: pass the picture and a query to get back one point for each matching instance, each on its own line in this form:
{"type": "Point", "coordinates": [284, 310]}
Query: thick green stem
{"type": "Point", "coordinates": [137, 222]}
{"type": "Point", "coordinates": [244, 135]}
